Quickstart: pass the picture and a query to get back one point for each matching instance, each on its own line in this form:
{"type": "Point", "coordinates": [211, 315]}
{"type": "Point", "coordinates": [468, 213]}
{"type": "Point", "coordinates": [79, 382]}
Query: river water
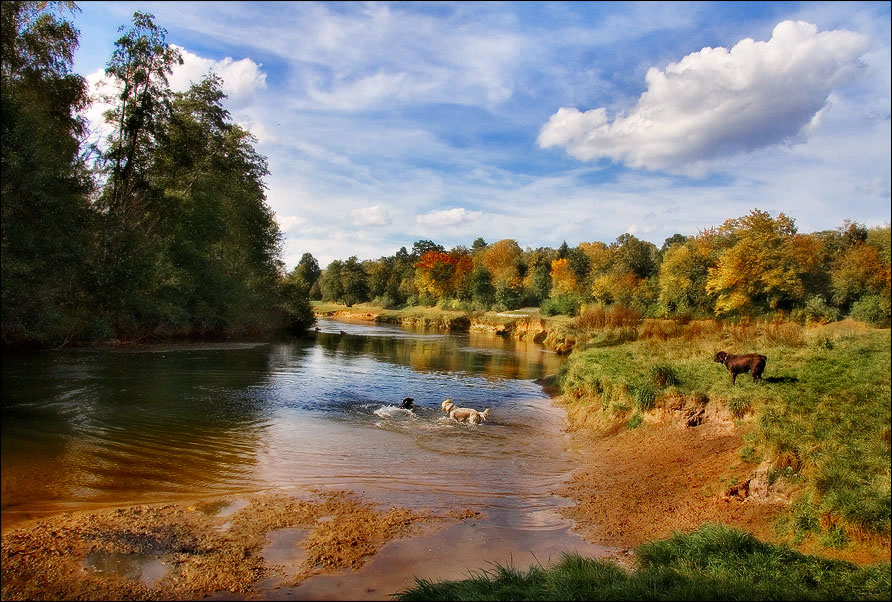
{"type": "Point", "coordinates": [83, 429]}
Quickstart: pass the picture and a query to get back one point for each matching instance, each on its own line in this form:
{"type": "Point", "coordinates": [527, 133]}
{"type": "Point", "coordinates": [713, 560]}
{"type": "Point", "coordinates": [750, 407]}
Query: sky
{"type": "Point", "coordinates": [388, 123]}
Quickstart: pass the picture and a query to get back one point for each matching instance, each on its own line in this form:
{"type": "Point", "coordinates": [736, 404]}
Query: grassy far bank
{"type": "Point", "coordinates": [713, 563]}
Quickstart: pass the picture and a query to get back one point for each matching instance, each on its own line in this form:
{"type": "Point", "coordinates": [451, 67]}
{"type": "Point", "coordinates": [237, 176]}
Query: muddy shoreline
{"type": "Point", "coordinates": [180, 551]}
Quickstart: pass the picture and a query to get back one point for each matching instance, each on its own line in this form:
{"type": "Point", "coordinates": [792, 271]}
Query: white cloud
{"type": "Point", "coordinates": [449, 217]}
{"type": "Point", "coordinates": [290, 223]}
{"type": "Point", "coordinates": [716, 102]}
{"type": "Point", "coordinates": [371, 216]}
{"type": "Point", "coordinates": [241, 78]}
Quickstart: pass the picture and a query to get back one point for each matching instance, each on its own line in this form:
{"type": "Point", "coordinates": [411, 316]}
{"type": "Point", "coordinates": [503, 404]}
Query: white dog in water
{"type": "Point", "coordinates": [464, 414]}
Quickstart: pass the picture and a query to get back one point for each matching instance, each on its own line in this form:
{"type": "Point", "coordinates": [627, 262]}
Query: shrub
{"type": "Point", "coordinates": [567, 305]}
{"type": "Point", "coordinates": [873, 310]}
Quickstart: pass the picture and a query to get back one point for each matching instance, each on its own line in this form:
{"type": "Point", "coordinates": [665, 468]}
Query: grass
{"type": "Point", "coordinates": [821, 415]}
{"type": "Point", "coordinates": [712, 563]}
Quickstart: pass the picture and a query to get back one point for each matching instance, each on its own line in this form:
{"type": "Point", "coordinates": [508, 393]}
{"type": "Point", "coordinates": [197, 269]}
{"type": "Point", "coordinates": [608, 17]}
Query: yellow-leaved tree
{"type": "Point", "coordinates": [764, 266]}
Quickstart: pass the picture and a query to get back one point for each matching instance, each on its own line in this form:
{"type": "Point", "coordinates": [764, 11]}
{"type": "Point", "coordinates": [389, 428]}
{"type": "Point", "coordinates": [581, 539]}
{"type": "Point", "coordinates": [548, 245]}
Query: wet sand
{"type": "Point", "coordinates": [330, 545]}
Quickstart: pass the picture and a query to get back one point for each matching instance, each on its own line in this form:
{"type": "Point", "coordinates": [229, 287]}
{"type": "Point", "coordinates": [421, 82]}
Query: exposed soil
{"type": "Point", "coordinates": [677, 471]}
{"type": "Point", "coordinates": [203, 549]}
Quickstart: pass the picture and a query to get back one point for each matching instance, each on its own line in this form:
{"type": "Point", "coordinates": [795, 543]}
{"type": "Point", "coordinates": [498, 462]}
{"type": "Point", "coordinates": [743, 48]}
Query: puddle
{"type": "Point", "coordinates": [148, 570]}
{"type": "Point", "coordinates": [284, 549]}
{"type": "Point", "coordinates": [223, 508]}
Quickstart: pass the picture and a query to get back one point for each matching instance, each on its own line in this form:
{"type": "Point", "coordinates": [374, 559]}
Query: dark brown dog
{"type": "Point", "coordinates": [741, 364]}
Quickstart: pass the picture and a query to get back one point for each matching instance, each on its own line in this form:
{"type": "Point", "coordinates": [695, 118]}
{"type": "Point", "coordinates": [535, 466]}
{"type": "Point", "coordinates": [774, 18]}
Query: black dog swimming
{"type": "Point", "coordinates": [408, 403]}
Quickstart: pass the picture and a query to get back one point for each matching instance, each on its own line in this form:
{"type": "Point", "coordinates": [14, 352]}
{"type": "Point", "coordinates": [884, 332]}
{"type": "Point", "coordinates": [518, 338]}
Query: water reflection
{"type": "Point", "coordinates": [82, 427]}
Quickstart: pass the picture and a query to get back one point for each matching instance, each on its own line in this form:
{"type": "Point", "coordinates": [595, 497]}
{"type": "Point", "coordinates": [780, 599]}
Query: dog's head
{"type": "Point", "coordinates": [720, 357]}
{"type": "Point", "coordinates": [447, 405]}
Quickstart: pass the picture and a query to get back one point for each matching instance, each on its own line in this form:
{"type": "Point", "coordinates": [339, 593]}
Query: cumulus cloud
{"type": "Point", "coordinates": [718, 102]}
{"type": "Point", "coordinates": [241, 78]}
{"type": "Point", "coordinates": [371, 216]}
{"type": "Point", "coordinates": [290, 223]}
{"type": "Point", "coordinates": [449, 217]}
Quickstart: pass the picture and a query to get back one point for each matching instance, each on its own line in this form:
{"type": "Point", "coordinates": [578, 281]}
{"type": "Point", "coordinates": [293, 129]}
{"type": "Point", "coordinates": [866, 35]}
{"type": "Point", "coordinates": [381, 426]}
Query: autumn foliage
{"type": "Point", "coordinates": [757, 265]}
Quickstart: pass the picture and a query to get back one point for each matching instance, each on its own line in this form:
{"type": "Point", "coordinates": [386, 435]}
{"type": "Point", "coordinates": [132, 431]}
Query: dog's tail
{"type": "Point", "coordinates": [486, 413]}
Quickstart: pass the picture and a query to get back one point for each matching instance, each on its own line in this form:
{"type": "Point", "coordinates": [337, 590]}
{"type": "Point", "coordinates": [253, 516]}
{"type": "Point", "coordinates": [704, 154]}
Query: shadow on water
{"type": "Point", "coordinates": [98, 426]}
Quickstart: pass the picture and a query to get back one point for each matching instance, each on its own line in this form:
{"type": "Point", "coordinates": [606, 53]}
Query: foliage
{"type": "Point", "coordinates": [873, 310]}
{"type": "Point", "coordinates": [47, 224]}
{"type": "Point", "coordinates": [712, 563]}
{"type": "Point", "coordinates": [764, 266]}
{"type": "Point", "coordinates": [566, 304]}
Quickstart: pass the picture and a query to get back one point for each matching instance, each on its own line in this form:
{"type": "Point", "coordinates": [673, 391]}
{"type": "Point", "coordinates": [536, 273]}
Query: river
{"type": "Point", "coordinates": [88, 429]}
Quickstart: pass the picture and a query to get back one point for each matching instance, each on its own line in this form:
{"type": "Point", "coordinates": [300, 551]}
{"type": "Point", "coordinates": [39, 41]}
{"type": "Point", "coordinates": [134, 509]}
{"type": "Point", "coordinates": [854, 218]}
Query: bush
{"type": "Point", "coordinates": [816, 310]}
{"type": "Point", "coordinates": [873, 310]}
{"type": "Point", "coordinates": [567, 305]}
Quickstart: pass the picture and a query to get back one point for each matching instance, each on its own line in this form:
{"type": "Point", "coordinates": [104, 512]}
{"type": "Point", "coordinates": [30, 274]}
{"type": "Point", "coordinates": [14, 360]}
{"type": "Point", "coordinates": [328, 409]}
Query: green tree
{"type": "Point", "coordinates": [355, 285]}
{"type": "Point", "coordinates": [47, 223]}
{"type": "Point", "coordinates": [331, 281]}
{"type": "Point", "coordinates": [308, 270]}
{"type": "Point", "coordinates": [132, 209]}
{"type": "Point", "coordinates": [218, 267]}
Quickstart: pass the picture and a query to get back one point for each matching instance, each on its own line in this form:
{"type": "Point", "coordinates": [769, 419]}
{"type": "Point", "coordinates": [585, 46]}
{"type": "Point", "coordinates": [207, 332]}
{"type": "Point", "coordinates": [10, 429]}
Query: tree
{"type": "Point", "coordinates": [675, 239]}
{"type": "Point", "coordinates": [631, 254]}
{"type": "Point", "coordinates": [483, 293]}
{"type": "Point", "coordinates": [682, 281]}
{"type": "Point", "coordinates": [47, 224]}
{"type": "Point", "coordinates": [353, 279]}
{"type": "Point", "coordinates": [331, 281]}
{"type": "Point", "coordinates": [764, 267]}
{"type": "Point", "coordinates": [217, 266]}
{"type": "Point", "coordinates": [132, 208]}
{"type": "Point", "coordinates": [501, 259]}
{"type": "Point", "coordinates": [563, 278]}
{"type": "Point", "coordinates": [420, 247]}
{"type": "Point", "coordinates": [308, 270]}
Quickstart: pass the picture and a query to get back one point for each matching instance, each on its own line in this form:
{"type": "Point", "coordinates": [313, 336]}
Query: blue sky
{"type": "Point", "coordinates": [386, 123]}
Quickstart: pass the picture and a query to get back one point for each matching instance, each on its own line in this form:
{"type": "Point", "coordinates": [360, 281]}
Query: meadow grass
{"type": "Point", "coordinates": [712, 563]}
{"type": "Point", "coordinates": [821, 414]}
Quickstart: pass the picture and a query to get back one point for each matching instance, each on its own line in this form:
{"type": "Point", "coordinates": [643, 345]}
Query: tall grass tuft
{"type": "Point", "coordinates": [664, 375]}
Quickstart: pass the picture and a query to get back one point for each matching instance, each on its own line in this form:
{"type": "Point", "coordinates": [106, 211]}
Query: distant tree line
{"type": "Point", "coordinates": [162, 231]}
{"type": "Point", "coordinates": [755, 265]}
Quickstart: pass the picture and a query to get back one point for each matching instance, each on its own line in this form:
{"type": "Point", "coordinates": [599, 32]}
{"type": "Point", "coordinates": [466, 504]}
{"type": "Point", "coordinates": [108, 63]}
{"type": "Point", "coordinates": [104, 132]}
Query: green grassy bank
{"type": "Point", "coordinates": [713, 563]}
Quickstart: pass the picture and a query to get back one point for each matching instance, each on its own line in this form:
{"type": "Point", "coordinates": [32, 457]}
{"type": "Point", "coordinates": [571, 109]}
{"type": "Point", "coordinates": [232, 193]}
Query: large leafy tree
{"type": "Point", "coordinates": [132, 208]}
{"type": "Point", "coordinates": [219, 264]}
{"type": "Point", "coordinates": [46, 217]}
{"type": "Point", "coordinates": [764, 267]}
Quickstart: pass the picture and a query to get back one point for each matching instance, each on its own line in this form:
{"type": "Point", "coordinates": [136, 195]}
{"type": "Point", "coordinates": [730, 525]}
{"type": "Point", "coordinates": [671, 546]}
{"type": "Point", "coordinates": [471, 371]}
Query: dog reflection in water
{"type": "Point", "coordinates": [465, 414]}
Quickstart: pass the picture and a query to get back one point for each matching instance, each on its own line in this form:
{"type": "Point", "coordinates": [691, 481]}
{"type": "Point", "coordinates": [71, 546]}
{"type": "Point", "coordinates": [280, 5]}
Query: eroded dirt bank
{"type": "Point", "coordinates": [634, 486]}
